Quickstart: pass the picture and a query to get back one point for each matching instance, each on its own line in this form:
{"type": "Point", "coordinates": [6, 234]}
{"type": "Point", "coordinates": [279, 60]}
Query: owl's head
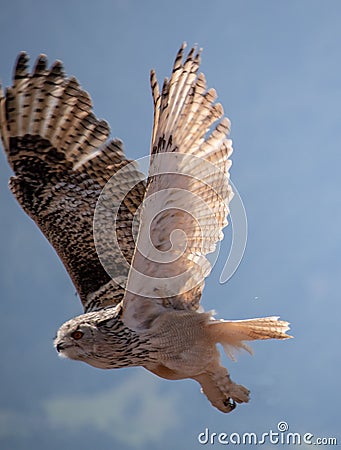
{"type": "Point", "coordinates": [89, 337]}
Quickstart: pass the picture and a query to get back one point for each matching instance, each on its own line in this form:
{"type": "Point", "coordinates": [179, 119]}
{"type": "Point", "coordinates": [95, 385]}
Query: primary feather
{"type": "Point", "coordinates": [62, 159]}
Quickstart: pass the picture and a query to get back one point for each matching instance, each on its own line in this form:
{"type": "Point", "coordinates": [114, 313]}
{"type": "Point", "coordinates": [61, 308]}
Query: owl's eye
{"type": "Point", "coordinates": [77, 335]}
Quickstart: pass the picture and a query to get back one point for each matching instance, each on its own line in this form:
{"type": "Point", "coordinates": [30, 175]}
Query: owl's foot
{"type": "Point", "coordinates": [238, 392]}
{"type": "Point", "coordinates": [221, 391]}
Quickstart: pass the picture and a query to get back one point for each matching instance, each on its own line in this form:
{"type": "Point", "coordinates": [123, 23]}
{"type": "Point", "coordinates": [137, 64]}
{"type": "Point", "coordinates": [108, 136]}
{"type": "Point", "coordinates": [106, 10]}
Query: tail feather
{"type": "Point", "coordinates": [232, 333]}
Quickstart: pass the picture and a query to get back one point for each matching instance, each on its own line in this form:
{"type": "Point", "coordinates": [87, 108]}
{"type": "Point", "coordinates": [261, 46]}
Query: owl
{"type": "Point", "coordinates": [135, 247]}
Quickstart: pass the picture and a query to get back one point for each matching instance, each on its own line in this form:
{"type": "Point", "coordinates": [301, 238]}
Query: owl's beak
{"type": "Point", "coordinates": [59, 347]}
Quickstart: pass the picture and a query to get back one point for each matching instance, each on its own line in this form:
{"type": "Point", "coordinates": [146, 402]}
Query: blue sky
{"type": "Point", "coordinates": [276, 67]}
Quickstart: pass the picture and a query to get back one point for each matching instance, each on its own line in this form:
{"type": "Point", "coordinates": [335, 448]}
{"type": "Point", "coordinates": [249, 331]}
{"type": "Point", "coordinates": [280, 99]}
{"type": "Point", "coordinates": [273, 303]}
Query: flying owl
{"type": "Point", "coordinates": [136, 249]}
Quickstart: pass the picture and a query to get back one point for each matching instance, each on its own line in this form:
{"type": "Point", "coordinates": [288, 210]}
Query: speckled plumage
{"type": "Point", "coordinates": [146, 312]}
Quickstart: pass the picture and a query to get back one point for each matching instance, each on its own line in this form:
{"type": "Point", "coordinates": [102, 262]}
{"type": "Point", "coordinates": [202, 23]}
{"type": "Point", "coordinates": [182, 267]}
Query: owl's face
{"type": "Point", "coordinates": [75, 339]}
{"type": "Point", "coordinates": [84, 339]}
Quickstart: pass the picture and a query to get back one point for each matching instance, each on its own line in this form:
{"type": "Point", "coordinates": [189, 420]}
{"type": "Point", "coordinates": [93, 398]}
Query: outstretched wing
{"type": "Point", "coordinates": [187, 196]}
{"type": "Point", "coordinates": [62, 159]}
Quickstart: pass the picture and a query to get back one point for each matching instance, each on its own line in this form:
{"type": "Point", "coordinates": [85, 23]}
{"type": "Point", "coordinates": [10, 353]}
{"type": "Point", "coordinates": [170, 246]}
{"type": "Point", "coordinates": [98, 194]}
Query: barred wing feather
{"type": "Point", "coordinates": [187, 195]}
{"type": "Point", "coordinates": [62, 158]}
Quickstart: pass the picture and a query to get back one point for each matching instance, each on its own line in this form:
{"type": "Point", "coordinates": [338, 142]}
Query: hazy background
{"type": "Point", "coordinates": [276, 67]}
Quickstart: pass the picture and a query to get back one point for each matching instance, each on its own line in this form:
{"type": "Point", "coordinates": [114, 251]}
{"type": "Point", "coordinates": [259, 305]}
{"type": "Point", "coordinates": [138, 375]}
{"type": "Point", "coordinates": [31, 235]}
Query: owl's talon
{"type": "Point", "coordinates": [230, 403]}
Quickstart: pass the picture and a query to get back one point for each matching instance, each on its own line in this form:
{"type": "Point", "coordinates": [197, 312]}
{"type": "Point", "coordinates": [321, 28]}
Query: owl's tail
{"type": "Point", "coordinates": [232, 333]}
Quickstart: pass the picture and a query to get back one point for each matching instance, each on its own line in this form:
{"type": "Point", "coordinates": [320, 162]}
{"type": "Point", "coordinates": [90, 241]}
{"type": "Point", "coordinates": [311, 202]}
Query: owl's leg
{"type": "Point", "coordinates": [221, 391]}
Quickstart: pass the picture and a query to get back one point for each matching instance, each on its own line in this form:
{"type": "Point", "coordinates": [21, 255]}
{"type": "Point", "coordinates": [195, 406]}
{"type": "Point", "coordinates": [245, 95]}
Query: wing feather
{"type": "Point", "coordinates": [187, 197]}
{"type": "Point", "coordinates": [62, 159]}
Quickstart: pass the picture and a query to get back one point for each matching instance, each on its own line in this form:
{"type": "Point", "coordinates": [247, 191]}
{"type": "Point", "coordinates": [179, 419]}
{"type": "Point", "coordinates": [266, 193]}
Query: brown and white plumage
{"type": "Point", "coordinates": [188, 189]}
{"type": "Point", "coordinates": [141, 297]}
{"type": "Point", "coordinates": [62, 159]}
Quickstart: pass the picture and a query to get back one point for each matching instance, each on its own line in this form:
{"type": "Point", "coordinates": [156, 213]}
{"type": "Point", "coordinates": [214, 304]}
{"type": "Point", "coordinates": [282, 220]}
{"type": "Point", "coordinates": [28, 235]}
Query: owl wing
{"type": "Point", "coordinates": [62, 159]}
{"type": "Point", "coordinates": [187, 196]}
